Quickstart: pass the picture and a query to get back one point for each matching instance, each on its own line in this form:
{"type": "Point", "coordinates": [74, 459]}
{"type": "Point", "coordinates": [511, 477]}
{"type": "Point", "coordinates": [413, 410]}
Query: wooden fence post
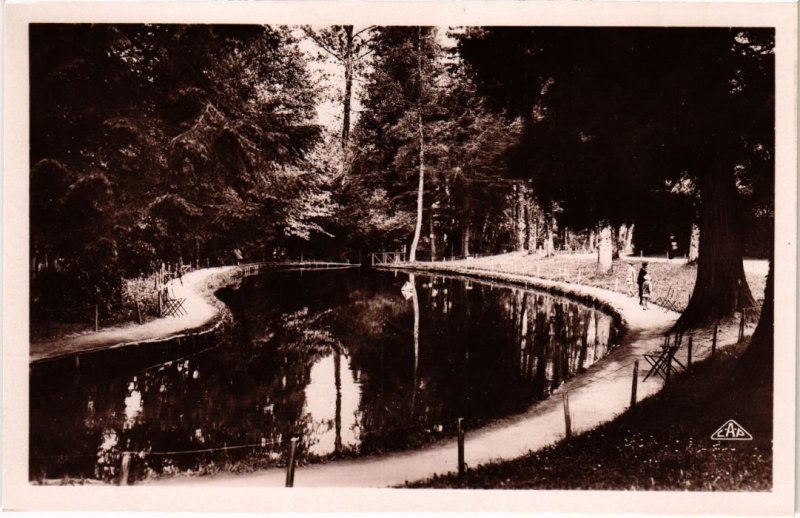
{"type": "Point", "coordinates": [461, 468]}
{"type": "Point", "coordinates": [634, 383]}
{"type": "Point", "coordinates": [714, 341]}
{"type": "Point", "coordinates": [96, 317]}
{"type": "Point", "coordinates": [567, 417]}
{"type": "Point", "coordinates": [290, 462]}
{"type": "Point", "coordinates": [139, 311]}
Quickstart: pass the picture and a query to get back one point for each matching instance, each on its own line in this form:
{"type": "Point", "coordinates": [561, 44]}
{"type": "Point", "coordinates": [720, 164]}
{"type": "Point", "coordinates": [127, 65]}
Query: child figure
{"type": "Point", "coordinates": [647, 288]}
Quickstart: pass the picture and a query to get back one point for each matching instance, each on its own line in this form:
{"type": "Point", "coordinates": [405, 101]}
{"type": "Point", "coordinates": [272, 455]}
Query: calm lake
{"type": "Point", "coordinates": [353, 362]}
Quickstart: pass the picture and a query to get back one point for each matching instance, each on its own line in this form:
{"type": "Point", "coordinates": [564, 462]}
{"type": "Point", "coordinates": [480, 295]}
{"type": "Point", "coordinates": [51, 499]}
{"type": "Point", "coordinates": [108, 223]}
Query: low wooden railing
{"type": "Point", "coordinates": [249, 269]}
{"type": "Point", "coordinates": [387, 258]}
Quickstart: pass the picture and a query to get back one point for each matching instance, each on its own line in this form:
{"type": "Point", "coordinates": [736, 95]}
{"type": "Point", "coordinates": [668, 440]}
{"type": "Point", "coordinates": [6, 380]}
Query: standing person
{"type": "Point", "coordinates": [630, 277]}
{"type": "Point", "coordinates": [640, 280]}
{"type": "Point", "coordinates": [647, 288]}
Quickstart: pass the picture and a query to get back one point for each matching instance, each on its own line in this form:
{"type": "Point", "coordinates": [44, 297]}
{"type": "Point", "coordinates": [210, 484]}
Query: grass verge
{"type": "Point", "coordinates": [664, 443]}
{"type": "Point", "coordinates": [674, 278]}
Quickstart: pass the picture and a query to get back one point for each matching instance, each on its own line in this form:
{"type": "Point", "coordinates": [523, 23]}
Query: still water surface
{"type": "Point", "coordinates": [354, 362]}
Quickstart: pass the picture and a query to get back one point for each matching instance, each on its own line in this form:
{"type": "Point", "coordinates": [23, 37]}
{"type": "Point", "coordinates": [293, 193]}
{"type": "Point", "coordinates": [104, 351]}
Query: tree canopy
{"type": "Point", "coordinates": [155, 143]}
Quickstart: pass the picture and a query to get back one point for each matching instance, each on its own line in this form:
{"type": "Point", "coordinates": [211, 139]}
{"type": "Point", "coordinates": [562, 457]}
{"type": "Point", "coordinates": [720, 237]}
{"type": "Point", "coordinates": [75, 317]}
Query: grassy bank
{"type": "Point", "coordinates": [582, 269]}
{"type": "Point", "coordinates": [664, 443]}
{"type": "Point", "coordinates": [123, 312]}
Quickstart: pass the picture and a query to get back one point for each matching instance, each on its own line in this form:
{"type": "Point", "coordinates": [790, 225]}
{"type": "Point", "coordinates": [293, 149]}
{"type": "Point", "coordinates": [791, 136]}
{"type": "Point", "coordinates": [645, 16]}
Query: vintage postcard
{"type": "Point", "coordinates": [410, 256]}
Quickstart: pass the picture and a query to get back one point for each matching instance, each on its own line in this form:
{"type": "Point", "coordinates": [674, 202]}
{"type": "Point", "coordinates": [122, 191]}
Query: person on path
{"type": "Point", "coordinates": [647, 288]}
{"type": "Point", "coordinates": [640, 281]}
{"type": "Point", "coordinates": [630, 277]}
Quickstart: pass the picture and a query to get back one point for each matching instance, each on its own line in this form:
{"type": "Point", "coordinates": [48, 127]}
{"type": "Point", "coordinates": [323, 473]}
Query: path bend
{"type": "Point", "coordinates": [597, 396]}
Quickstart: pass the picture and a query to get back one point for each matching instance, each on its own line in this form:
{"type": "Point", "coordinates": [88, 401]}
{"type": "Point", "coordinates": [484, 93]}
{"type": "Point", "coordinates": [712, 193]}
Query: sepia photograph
{"type": "Point", "coordinates": [525, 256]}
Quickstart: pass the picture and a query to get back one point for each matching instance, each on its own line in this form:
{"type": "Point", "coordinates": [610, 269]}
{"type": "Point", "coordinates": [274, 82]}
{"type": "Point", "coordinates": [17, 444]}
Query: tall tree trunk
{"type": "Point", "coordinates": [549, 248]}
{"type": "Point", "coordinates": [432, 234]}
{"type": "Point", "coordinates": [533, 226]}
{"type": "Point", "coordinates": [514, 219]}
{"type": "Point", "coordinates": [421, 187]}
{"type": "Point", "coordinates": [721, 287]}
{"type": "Point", "coordinates": [629, 240]}
{"type": "Point", "coordinates": [622, 236]}
{"type": "Point", "coordinates": [465, 230]}
{"type": "Point", "coordinates": [349, 63]}
{"type": "Point", "coordinates": [527, 216]}
{"type": "Point", "coordinates": [519, 218]}
{"type": "Point", "coordinates": [605, 250]}
{"type": "Point", "coordinates": [694, 243]}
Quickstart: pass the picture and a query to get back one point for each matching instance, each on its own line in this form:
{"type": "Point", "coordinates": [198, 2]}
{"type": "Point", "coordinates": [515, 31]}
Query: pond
{"type": "Point", "coordinates": [353, 362]}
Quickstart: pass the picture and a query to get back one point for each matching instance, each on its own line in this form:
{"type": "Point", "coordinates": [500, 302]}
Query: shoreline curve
{"type": "Point", "coordinates": [204, 313]}
{"type": "Point", "coordinates": [596, 396]}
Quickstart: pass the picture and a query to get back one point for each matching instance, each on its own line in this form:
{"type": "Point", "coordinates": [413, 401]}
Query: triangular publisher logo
{"type": "Point", "coordinates": [732, 431]}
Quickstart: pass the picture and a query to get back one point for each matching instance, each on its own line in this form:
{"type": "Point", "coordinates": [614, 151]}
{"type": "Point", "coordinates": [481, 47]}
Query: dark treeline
{"type": "Point", "coordinates": [648, 124]}
{"type": "Point", "coordinates": [155, 143]}
{"type": "Point", "coordinates": [167, 143]}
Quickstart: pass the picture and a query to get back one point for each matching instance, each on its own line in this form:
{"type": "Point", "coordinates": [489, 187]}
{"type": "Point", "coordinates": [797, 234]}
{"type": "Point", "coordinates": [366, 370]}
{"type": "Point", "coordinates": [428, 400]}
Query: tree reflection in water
{"type": "Point", "coordinates": [349, 361]}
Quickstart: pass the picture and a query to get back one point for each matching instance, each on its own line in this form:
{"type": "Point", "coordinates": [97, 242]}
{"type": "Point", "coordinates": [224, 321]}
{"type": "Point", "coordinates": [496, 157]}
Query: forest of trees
{"type": "Point", "coordinates": [155, 143]}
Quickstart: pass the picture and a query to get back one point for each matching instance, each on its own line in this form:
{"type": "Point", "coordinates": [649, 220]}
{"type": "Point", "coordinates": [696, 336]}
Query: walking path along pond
{"type": "Point", "coordinates": [368, 368]}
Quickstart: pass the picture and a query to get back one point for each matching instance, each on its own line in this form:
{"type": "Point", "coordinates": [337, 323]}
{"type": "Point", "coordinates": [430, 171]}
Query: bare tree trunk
{"type": "Point", "coordinates": [549, 248]}
{"type": "Point", "coordinates": [519, 218]}
{"type": "Point", "coordinates": [465, 230]}
{"type": "Point", "coordinates": [527, 216]}
{"type": "Point", "coordinates": [694, 243]}
{"type": "Point", "coordinates": [514, 218]}
{"type": "Point", "coordinates": [615, 239]}
{"type": "Point", "coordinates": [421, 187]}
{"type": "Point", "coordinates": [348, 84]}
{"type": "Point", "coordinates": [432, 235]}
{"type": "Point", "coordinates": [532, 226]}
{"type": "Point", "coordinates": [629, 239]}
{"type": "Point", "coordinates": [605, 250]}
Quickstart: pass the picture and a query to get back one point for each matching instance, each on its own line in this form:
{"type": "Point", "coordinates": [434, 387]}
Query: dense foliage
{"type": "Point", "coordinates": [167, 143]}
{"type": "Point", "coordinates": [622, 124]}
{"type": "Point", "coordinates": [154, 143]}
{"type": "Point", "coordinates": [417, 96]}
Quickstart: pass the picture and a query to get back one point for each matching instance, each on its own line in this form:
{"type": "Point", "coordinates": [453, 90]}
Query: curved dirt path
{"type": "Point", "coordinates": [595, 397]}
{"type": "Point", "coordinates": [201, 306]}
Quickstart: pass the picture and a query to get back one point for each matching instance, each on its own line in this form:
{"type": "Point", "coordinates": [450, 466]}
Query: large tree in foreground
{"type": "Point", "coordinates": [616, 116]}
{"type": "Point", "coordinates": [730, 114]}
